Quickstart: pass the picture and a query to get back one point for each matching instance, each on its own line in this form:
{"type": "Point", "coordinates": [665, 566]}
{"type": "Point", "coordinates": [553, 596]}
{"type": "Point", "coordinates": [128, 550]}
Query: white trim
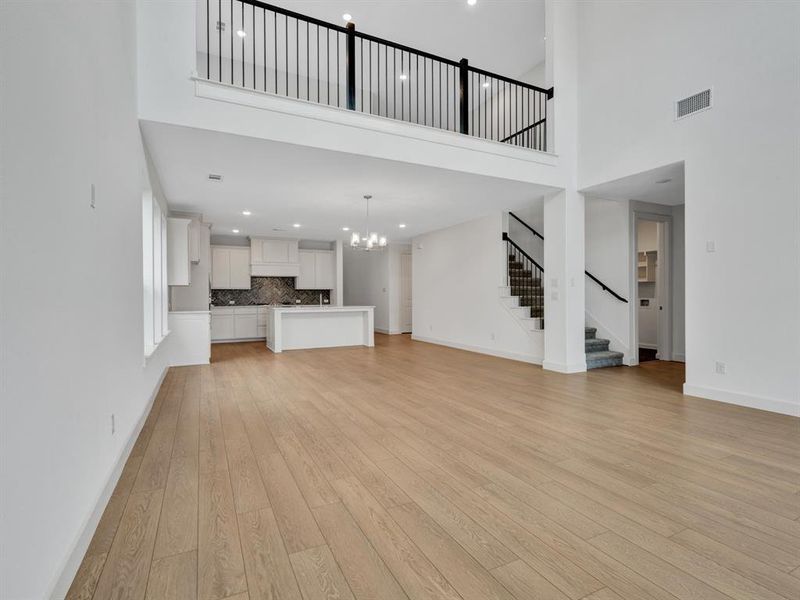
{"type": "Point", "coordinates": [679, 357]}
{"type": "Point", "coordinates": [784, 407]}
{"type": "Point", "coordinates": [526, 358]}
{"type": "Point", "coordinates": [558, 367]}
{"type": "Point", "coordinates": [389, 331]}
{"type": "Point", "coordinates": [648, 346]}
{"type": "Point", "coordinates": [73, 561]}
{"type": "Point", "coordinates": [234, 94]}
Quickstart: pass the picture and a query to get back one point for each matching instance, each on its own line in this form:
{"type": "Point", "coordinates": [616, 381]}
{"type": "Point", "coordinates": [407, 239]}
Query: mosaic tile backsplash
{"type": "Point", "coordinates": [266, 290]}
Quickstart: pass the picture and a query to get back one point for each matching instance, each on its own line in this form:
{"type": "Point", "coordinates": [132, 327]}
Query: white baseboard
{"type": "Point", "coordinates": [783, 407]}
{"type": "Point", "coordinates": [534, 360]}
{"type": "Point", "coordinates": [388, 331]}
{"type": "Point", "coordinates": [73, 562]}
{"type": "Point", "coordinates": [679, 357]}
{"type": "Point", "coordinates": [648, 346]}
{"type": "Point", "coordinates": [550, 365]}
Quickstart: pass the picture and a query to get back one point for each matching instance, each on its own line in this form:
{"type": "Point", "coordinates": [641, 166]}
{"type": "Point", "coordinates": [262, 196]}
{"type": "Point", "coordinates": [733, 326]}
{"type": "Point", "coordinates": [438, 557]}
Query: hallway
{"type": "Point", "coordinates": [411, 470]}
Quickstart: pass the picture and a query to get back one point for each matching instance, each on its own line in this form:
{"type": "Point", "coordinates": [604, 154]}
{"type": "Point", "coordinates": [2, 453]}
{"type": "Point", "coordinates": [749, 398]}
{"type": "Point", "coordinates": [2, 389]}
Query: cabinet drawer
{"type": "Point", "coordinates": [245, 310]}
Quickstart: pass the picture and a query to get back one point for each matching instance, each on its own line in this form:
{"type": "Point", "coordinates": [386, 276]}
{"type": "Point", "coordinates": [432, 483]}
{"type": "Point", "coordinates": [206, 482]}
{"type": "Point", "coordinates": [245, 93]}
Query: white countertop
{"type": "Point", "coordinates": [189, 312]}
{"type": "Point", "coordinates": [323, 308]}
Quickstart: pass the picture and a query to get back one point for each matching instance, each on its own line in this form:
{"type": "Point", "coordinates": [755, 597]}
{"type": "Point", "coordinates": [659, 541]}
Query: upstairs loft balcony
{"type": "Point", "coordinates": [269, 49]}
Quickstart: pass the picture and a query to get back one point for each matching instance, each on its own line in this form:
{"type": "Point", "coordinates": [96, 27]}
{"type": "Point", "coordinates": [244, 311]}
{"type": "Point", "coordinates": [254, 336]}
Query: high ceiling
{"type": "Point", "coordinates": [282, 184]}
{"type": "Point", "coordinates": [502, 36]}
{"type": "Point", "coordinates": [662, 185]}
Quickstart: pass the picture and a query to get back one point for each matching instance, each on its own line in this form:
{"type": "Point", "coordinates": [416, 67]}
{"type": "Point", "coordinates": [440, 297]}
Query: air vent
{"type": "Point", "coordinates": [214, 177]}
{"type": "Point", "coordinates": [692, 104]}
{"type": "Point", "coordinates": [221, 26]}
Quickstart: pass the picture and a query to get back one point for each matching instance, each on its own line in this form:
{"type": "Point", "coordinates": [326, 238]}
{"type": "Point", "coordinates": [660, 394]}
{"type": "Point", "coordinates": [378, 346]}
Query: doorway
{"type": "Point", "coordinates": [653, 313]}
{"type": "Point", "coordinates": [405, 293]}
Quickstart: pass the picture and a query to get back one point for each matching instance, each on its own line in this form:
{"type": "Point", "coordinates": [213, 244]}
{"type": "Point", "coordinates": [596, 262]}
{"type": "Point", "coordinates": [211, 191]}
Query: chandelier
{"type": "Point", "coordinates": [370, 240]}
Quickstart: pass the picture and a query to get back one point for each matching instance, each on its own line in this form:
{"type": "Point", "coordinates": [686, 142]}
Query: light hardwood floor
{"type": "Point", "coordinates": [413, 471]}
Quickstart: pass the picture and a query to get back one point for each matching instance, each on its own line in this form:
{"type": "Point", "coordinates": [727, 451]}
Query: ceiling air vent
{"type": "Point", "coordinates": [692, 104]}
{"type": "Point", "coordinates": [214, 177]}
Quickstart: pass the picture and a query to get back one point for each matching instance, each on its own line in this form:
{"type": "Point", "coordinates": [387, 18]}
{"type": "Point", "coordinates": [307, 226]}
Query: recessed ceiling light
{"type": "Point", "coordinates": [246, 213]}
{"type": "Point", "coordinates": [485, 84]}
{"type": "Point", "coordinates": [347, 17]}
{"type": "Point", "coordinates": [664, 181]}
{"type": "Point", "coordinates": [472, 2]}
{"type": "Point", "coordinates": [241, 33]}
{"type": "Point", "coordinates": [235, 230]}
{"type": "Point", "coordinates": [402, 226]}
{"type": "Point", "coordinates": [345, 229]}
{"type": "Point", "coordinates": [296, 225]}
{"type": "Point", "coordinates": [403, 76]}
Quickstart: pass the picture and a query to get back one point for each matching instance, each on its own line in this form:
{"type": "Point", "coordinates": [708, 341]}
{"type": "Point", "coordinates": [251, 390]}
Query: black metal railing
{"type": "Point", "coordinates": [525, 278]}
{"type": "Point", "coordinates": [258, 46]}
{"type": "Point", "coordinates": [589, 275]}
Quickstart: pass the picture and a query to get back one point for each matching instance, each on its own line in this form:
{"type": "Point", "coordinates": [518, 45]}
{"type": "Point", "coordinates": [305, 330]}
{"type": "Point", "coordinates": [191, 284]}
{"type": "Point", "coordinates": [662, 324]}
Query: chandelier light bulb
{"type": "Point", "coordinates": [355, 239]}
{"type": "Point", "coordinates": [373, 237]}
{"type": "Point", "coordinates": [382, 241]}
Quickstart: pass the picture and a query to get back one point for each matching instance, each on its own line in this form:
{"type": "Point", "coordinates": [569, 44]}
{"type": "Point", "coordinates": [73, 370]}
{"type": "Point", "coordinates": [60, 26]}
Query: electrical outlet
{"type": "Point", "coordinates": [711, 246]}
{"type": "Point", "coordinates": [491, 336]}
{"type": "Point", "coordinates": [720, 368]}
{"type": "Point", "coordinates": [113, 424]}
{"type": "Point", "coordinates": [430, 327]}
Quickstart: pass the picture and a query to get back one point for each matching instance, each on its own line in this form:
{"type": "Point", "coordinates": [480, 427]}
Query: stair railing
{"type": "Point", "coordinates": [526, 278]}
{"type": "Point", "coordinates": [588, 274]}
{"type": "Point", "coordinates": [267, 48]}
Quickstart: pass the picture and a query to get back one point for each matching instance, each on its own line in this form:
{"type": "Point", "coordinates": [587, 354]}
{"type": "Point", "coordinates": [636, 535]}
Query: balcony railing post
{"type": "Point", "coordinates": [351, 65]}
{"type": "Point", "coordinates": [463, 95]}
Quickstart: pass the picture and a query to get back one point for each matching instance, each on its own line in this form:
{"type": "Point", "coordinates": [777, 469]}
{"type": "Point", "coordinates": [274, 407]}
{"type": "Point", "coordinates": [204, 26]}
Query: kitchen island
{"type": "Point", "coordinates": [298, 327]}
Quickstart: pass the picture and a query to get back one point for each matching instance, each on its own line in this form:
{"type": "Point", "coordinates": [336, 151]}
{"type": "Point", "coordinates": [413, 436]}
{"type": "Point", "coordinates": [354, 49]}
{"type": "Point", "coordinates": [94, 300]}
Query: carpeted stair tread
{"type": "Point", "coordinates": [605, 358]}
{"type": "Point", "coordinates": [596, 345]}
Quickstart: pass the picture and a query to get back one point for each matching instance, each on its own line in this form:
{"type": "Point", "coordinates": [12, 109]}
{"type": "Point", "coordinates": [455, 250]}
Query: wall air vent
{"type": "Point", "coordinates": [692, 104]}
{"type": "Point", "coordinates": [214, 177]}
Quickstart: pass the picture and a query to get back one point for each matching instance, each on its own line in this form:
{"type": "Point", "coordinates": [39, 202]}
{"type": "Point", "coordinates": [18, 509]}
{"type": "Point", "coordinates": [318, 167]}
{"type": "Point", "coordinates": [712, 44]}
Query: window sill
{"type": "Point", "coordinates": [150, 351]}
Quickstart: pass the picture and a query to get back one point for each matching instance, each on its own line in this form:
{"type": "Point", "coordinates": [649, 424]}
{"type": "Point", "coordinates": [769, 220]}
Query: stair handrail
{"type": "Point", "coordinates": [589, 275]}
{"type": "Point", "coordinates": [521, 251]}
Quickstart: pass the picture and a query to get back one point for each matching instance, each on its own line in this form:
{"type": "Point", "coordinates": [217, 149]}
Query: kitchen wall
{"type": "Point", "coordinates": [266, 290]}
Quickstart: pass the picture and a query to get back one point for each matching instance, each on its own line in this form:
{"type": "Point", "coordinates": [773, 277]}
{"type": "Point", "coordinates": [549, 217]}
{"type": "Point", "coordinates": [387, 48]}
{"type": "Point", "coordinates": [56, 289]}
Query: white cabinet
{"type": "Point", "coordinates": [317, 270]}
{"type": "Point", "coordinates": [230, 268]}
{"type": "Point", "coordinates": [179, 270]}
{"type": "Point", "coordinates": [273, 257]}
{"type": "Point", "coordinates": [325, 269]}
{"type": "Point", "coordinates": [238, 323]}
{"type": "Point", "coordinates": [195, 235]}
{"type": "Point", "coordinates": [222, 324]}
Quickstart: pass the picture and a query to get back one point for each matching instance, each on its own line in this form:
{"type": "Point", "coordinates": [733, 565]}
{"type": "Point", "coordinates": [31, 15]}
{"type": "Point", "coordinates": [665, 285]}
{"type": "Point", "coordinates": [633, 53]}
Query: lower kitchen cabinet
{"type": "Point", "coordinates": [230, 323]}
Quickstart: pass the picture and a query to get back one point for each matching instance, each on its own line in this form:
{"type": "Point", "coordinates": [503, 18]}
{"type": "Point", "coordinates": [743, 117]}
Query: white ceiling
{"type": "Point", "coordinates": [282, 184]}
{"type": "Point", "coordinates": [503, 36]}
{"type": "Point", "coordinates": [645, 186]}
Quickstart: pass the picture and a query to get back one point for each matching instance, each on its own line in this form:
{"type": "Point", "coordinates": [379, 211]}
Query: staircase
{"type": "Point", "coordinates": [524, 294]}
{"type": "Point", "coordinates": [597, 353]}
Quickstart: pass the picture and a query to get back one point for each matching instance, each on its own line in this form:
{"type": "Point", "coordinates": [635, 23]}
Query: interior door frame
{"type": "Point", "coordinates": [663, 288]}
{"type": "Point", "coordinates": [403, 255]}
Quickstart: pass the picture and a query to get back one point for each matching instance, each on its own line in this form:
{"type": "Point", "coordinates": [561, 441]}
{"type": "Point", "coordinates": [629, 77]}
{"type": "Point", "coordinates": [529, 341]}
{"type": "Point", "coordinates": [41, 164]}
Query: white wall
{"type": "Point", "coordinates": [457, 273]}
{"type": "Point", "coordinates": [71, 320]}
{"type": "Point", "coordinates": [195, 296]}
{"type": "Point", "coordinates": [608, 258]}
{"type": "Point", "coordinates": [365, 279]}
{"type": "Point", "coordinates": [373, 279]}
{"type": "Point", "coordinates": [740, 164]}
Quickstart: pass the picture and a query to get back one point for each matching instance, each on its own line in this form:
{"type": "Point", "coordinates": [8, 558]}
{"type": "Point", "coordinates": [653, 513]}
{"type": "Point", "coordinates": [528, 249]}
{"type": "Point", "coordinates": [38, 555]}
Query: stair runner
{"type": "Point", "coordinates": [597, 353]}
{"type": "Point", "coordinates": [527, 288]}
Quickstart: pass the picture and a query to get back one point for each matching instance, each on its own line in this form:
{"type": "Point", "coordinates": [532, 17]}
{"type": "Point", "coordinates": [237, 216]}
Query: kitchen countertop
{"type": "Point", "coordinates": [318, 308]}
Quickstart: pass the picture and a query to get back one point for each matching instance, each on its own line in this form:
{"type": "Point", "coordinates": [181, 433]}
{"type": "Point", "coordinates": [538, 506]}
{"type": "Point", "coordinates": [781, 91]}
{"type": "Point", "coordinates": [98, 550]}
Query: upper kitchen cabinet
{"type": "Point", "coordinates": [179, 260]}
{"type": "Point", "coordinates": [230, 268]}
{"type": "Point", "coordinates": [317, 270]}
{"type": "Point", "coordinates": [274, 257]}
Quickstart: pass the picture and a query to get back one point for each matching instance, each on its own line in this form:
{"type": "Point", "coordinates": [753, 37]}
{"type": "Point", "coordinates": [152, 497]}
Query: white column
{"type": "Point", "coordinates": [337, 293]}
{"type": "Point", "coordinates": [564, 294]}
